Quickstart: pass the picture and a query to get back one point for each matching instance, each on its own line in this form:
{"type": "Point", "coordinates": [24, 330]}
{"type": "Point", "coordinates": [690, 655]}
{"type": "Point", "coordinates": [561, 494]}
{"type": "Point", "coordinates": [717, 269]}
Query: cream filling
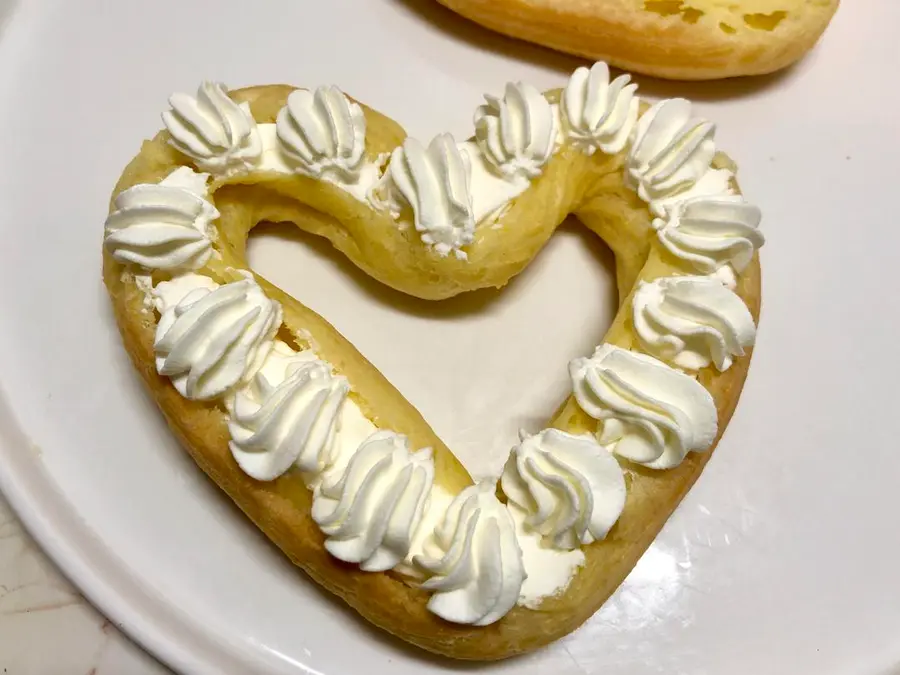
{"type": "Point", "coordinates": [273, 159]}
{"type": "Point", "coordinates": [491, 193]}
{"type": "Point", "coordinates": [549, 570]}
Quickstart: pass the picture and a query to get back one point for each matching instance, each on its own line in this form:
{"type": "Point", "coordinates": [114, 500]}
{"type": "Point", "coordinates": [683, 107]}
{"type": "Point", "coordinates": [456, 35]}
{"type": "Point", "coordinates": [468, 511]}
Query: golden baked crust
{"type": "Point", "coordinates": [593, 188]}
{"type": "Point", "coordinates": [676, 39]}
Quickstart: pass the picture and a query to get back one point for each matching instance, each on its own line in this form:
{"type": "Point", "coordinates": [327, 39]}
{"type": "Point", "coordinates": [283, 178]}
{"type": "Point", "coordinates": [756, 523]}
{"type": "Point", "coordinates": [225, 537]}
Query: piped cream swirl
{"type": "Point", "coordinates": [600, 115]}
{"type": "Point", "coordinates": [517, 133]}
{"type": "Point", "coordinates": [572, 488]}
{"type": "Point", "coordinates": [164, 226]}
{"type": "Point", "coordinates": [211, 340]}
{"type": "Point", "coordinates": [650, 413]}
{"type": "Point", "coordinates": [287, 416]}
{"type": "Point", "coordinates": [371, 512]}
{"type": "Point", "coordinates": [323, 133]}
{"type": "Point", "coordinates": [434, 182]}
{"type": "Point", "coordinates": [710, 232]}
{"type": "Point", "coordinates": [671, 150]}
{"type": "Point", "coordinates": [217, 133]}
{"type": "Point", "coordinates": [691, 322]}
{"type": "Point", "coordinates": [473, 559]}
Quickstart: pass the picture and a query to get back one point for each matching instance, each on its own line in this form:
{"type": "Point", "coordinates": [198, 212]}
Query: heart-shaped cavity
{"type": "Point", "coordinates": [484, 334]}
{"type": "Point", "coordinates": [327, 457]}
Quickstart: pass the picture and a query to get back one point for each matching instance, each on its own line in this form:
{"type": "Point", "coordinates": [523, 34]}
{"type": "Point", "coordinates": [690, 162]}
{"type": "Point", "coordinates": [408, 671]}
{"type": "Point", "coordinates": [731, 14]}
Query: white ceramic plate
{"type": "Point", "coordinates": [782, 559]}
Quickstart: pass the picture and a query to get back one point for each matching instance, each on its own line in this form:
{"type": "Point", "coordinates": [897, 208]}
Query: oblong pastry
{"type": "Point", "coordinates": [675, 39]}
{"type": "Point", "coordinates": [329, 459]}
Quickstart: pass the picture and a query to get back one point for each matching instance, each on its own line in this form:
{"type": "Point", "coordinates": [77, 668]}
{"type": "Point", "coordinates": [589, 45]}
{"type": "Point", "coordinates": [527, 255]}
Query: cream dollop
{"type": "Point", "coordinates": [186, 178]}
{"type": "Point", "coordinates": [217, 133]}
{"type": "Point", "coordinates": [323, 132]}
{"type": "Point", "coordinates": [371, 512]}
{"type": "Point", "coordinates": [710, 232]}
{"type": "Point", "coordinates": [473, 559]}
{"type": "Point", "coordinates": [288, 415]}
{"type": "Point", "coordinates": [714, 184]}
{"type": "Point", "coordinates": [166, 294]}
{"type": "Point", "coordinates": [163, 226]}
{"type": "Point", "coordinates": [572, 488]}
{"type": "Point", "coordinates": [671, 150]}
{"type": "Point", "coordinates": [434, 182]}
{"type": "Point", "coordinates": [650, 413]}
{"type": "Point", "coordinates": [600, 115]}
{"type": "Point", "coordinates": [517, 133]}
{"type": "Point", "coordinates": [691, 322]}
{"type": "Point", "coordinates": [212, 340]}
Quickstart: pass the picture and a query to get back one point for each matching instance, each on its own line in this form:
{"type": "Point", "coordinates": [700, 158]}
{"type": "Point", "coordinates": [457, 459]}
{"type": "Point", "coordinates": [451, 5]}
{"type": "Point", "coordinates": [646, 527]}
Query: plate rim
{"type": "Point", "coordinates": [97, 573]}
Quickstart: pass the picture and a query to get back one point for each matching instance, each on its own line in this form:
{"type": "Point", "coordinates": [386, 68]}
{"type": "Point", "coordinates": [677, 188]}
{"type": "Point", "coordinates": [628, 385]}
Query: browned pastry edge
{"type": "Point", "coordinates": [672, 39]}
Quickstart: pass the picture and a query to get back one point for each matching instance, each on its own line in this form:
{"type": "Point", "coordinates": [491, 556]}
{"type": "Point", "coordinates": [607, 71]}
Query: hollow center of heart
{"type": "Point", "coordinates": [480, 366]}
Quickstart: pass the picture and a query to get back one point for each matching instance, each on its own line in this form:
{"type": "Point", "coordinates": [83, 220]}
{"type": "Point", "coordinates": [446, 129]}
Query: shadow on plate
{"type": "Point", "coordinates": [7, 9]}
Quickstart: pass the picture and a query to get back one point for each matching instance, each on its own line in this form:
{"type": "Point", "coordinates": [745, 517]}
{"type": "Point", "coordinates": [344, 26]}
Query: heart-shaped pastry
{"type": "Point", "coordinates": [323, 454]}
